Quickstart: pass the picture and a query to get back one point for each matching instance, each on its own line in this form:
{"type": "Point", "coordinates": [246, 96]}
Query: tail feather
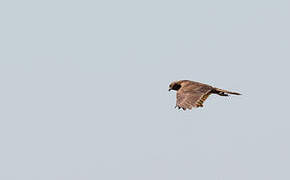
{"type": "Point", "coordinates": [223, 92]}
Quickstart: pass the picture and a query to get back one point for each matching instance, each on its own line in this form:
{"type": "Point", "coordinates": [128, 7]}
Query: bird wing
{"type": "Point", "coordinates": [192, 95]}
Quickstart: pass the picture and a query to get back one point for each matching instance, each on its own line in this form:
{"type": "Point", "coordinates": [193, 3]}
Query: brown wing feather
{"type": "Point", "coordinates": [192, 95]}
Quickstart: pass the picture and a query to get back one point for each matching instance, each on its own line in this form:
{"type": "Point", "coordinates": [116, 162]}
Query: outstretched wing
{"type": "Point", "coordinates": [192, 95]}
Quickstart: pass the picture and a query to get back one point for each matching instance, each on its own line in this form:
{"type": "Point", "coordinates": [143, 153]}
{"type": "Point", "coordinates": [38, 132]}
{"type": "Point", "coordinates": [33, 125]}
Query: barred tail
{"type": "Point", "coordinates": [223, 92]}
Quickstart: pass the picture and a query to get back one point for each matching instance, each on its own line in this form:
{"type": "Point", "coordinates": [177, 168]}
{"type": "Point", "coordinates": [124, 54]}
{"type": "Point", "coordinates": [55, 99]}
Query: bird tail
{"type": "Point", "coordinates": [223, 92]}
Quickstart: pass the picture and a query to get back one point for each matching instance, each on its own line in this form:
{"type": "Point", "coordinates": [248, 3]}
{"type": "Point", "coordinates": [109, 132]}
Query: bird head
{"type": "Point", "coordinates": [174, 86]}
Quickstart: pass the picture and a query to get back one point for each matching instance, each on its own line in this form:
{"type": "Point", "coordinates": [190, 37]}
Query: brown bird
{"type": "Point", "coordinates": [192, 94]}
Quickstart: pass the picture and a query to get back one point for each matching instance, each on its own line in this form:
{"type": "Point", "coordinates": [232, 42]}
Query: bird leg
{"type": "Point", "coordinates": [222, 94]}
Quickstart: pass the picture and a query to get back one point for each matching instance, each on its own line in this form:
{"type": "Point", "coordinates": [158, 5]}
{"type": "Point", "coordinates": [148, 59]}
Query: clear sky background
{"type": "Point", "coordinates": [83, 90]}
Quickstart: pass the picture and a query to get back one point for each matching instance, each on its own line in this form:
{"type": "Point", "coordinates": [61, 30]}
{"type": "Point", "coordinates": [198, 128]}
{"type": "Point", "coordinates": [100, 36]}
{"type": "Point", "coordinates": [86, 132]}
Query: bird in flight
{"type": "Point", "coordinates": [192, 94]}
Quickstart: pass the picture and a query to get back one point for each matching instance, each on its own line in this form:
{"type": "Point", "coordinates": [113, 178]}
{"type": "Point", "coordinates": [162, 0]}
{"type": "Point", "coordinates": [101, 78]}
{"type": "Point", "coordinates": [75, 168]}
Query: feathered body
{"type": "Point", "coordinates": [193, 94]}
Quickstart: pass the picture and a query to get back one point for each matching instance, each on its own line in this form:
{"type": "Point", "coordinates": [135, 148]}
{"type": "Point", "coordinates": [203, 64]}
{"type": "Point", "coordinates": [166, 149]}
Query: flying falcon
{"type": "Point", "coordinates": [192, 94]}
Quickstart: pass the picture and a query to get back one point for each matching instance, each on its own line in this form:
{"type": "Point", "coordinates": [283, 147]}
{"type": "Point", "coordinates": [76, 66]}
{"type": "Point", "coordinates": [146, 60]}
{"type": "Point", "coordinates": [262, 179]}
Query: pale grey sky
{"type": "Point", "coordinates": [84, 90]}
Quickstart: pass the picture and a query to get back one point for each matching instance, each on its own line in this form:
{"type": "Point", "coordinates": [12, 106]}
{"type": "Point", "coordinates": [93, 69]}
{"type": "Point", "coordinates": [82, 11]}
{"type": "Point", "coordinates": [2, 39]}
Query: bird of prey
{"type": "Point", "coordinates": [192, 94]}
